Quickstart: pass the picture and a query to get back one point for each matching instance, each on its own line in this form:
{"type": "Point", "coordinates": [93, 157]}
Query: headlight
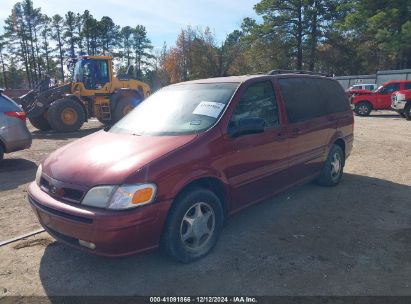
{"type": "Point", "coordinates": [400, 97]}
{"type": "Point", "coordinates": [38, 175]}
{"type": "Point", "coordinates": [122, 197]}
{"type": "Point", "coordinates": [98, 196]}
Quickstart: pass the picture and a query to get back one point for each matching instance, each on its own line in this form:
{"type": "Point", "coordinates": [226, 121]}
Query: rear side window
{"type": "Point", "coordinates": [257, 101]}
{"type": "Point", "coordinates": [407, 86]}
{"type": "Point", "coordinates": [8, 105]}
{"type": "Point", "coordinates": [333, 95]}
{"type": "Point", "coordinates": [308, 98]}
{"type": "Point", "coordinates": [302, 99]}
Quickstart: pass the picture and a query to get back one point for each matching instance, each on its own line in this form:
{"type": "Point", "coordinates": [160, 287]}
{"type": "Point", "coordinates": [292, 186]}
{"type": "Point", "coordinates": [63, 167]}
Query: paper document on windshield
{"type": "Point", "coordinates": [209, 108]}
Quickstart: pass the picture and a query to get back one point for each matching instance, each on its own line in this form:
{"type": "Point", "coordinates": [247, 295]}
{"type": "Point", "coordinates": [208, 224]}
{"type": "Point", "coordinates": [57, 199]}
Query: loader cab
{"type": "Point", "coordinates": [92, 72]}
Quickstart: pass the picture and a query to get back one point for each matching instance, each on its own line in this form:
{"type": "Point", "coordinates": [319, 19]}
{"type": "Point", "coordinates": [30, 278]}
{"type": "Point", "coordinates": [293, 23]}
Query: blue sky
{"type": "Point", "coordinates": [163, 19]}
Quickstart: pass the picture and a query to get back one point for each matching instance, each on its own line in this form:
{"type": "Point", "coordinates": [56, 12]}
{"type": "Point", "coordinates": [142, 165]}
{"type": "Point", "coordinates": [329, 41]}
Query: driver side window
{"type": "Point", "coordinates": [257, 101]}
{"type": "Point", "coordinates": [391, 88]}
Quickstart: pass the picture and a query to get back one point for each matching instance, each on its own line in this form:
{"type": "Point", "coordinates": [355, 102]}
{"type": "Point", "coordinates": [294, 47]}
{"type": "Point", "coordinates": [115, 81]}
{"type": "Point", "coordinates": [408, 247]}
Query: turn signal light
{"type": "Point", "coordinates": [142, 196]}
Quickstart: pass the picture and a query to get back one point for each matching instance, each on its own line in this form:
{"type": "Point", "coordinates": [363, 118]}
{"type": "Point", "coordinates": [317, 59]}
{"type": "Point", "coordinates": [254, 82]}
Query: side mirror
{"type": "Point", "coordinates": [248, 125]}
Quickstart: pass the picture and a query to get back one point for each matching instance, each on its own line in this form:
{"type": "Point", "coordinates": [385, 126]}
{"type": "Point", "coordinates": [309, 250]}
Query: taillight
{"type": "Point", "coordinates": [19, 115]}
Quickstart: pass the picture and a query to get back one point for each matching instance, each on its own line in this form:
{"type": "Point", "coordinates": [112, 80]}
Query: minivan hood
{"type": "Point", "coordinates": [105, 158]}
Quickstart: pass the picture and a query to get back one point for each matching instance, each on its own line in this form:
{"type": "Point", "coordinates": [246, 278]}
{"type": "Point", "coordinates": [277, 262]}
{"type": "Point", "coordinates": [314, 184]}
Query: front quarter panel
{"type": "Point", "coordinates": [200, 158]}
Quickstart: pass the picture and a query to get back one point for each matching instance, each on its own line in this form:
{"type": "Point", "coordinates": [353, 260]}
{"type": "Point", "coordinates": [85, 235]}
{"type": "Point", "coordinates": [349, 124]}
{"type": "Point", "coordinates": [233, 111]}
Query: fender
{"type": "Point", "coordinates": [358, 100]}
{"type": "Point", "coordinates": [338, 135]}
{"type": "Point", "coordinates": [198, 175]}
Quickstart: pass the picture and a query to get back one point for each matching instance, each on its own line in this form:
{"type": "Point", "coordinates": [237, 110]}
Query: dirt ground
{"type": "Point", "coordinates": [354, 239]}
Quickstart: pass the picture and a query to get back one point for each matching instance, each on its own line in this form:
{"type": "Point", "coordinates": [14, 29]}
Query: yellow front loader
{"type": "Point", "coordinates": [93, 92]}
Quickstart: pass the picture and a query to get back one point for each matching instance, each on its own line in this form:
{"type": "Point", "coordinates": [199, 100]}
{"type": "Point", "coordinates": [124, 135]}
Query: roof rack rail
{"type": "Point", "coordinates": [277, 72]}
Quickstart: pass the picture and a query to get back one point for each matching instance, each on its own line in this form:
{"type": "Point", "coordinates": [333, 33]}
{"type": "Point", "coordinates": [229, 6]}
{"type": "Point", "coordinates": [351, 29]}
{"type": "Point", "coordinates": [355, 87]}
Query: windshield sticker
{"type": "Point", "coordinates": [209, 108]}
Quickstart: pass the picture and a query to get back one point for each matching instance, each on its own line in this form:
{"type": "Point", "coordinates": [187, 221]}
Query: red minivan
{"type": "Point", "coordinates": [170, 172]}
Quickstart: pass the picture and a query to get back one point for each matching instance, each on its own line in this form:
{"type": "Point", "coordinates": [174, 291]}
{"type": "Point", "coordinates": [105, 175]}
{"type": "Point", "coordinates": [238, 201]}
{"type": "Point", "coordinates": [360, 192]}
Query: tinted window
{"type": "Point", "coordinates": [407, 86]}
{"type": "Point", "coordinates": [257, 101]}
{"type": "Point", "coordinates": [333, 95]}
{"type": "Point", "coordinates": [8, 105]}
{"type": "Point", "coordinates": [307, 98]}
{"type": "Point", "coordinates": [390, 88]}
{"type": "Point", "coordinates": [302, 99]}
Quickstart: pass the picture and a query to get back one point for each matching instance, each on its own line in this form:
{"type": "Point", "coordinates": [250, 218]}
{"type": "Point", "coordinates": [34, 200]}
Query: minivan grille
{"type": "Point", "coordinates": [65, 193]}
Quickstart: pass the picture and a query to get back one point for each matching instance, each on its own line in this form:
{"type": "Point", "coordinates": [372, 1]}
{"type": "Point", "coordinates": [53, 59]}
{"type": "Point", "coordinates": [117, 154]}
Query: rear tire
{"type": "Point", "coordinates": [40, 122]}
{"type": "Point", "coordinates": [123, 106]}
{"type": "Point", "coordinates": [407, 111]}
{"type": "Point", "coordinates": [363, 108]}
{"type": "Point", "coordinates": [193, 225]}
{"type": "Point", "coordinates": [66, 115]}
{"type": "Point", "coordinates": [332, 170]}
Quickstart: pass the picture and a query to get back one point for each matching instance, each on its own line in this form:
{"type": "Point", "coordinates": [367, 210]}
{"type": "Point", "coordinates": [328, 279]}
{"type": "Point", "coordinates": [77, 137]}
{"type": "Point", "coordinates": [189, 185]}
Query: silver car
{"type": "Point", "coordinates": [14, 134]}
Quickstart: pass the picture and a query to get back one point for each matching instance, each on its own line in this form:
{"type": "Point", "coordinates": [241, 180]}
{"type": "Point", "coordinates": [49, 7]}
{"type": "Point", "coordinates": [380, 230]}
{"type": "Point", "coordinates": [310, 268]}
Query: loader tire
{"type": "Point", "coordinates": [122, 108]}
{"type": "Point", "coordinates": [40, 122]}
{"type": "Point", "coordinates": [66, 115]}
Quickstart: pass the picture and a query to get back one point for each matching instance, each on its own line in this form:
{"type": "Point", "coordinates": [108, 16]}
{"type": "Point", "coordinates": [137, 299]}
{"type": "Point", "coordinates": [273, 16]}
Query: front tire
{"type": "Point", "coordinates": [407, 111]}
{"type": "Point", "coordinates": [193, 225]}
{"type": "Point", "coordinates": [66, 115]}
{"type": "Point", "coordinates": [332, 170]}
{"type": "Point", "coordinates": [363, 108]}
{"type": "Point", "coordinates": [40, 122]}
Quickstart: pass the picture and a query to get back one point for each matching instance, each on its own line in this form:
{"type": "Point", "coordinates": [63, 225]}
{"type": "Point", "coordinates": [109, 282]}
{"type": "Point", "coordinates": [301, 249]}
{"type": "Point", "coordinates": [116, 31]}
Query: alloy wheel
{"type": "Point", "coordinates": [336, 165]}
{"type": "Point", "coordinates": [197, 226]}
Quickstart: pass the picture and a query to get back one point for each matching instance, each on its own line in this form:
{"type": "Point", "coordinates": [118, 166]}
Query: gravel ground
{"type": "Point", "coordinates": [354, 239]}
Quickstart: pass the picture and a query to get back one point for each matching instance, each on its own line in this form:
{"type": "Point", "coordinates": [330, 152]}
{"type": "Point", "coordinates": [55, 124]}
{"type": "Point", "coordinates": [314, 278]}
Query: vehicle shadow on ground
{"type": "Point", "coordinates": [15, 172]}
{"type": "Point", "coordinates": [64, 136]}
{"type": "Point", "coordinates": [345, 240]}
{"type": "Point", "coordinates": [385, 115]}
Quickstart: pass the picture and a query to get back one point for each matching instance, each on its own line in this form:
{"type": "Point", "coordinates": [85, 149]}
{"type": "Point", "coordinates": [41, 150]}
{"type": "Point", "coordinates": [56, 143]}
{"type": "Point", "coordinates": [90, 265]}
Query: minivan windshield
{"type": "Point", "coordinates": [179, 109]}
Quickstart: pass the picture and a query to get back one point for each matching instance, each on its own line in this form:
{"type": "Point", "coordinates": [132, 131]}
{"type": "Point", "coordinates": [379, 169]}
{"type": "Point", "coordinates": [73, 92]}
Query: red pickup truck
{"type": "Point", "coordinates": [380, 99]}
{"type": "Point", "coordinates": [401, 103]}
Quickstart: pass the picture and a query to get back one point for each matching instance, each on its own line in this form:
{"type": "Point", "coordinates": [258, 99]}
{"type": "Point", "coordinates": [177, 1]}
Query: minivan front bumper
{"type": "Point", "coordinates": [111, 233]}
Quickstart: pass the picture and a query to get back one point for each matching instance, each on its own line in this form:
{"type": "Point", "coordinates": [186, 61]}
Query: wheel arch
{"type": "Point", "coordinates": [211, 183]}
{"type": "Point", "coordinates": [366, 101]}
{"type": "Point", "coordinates": [337, 139]}
{"type": "Point", "coordinates": [341, 143]}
